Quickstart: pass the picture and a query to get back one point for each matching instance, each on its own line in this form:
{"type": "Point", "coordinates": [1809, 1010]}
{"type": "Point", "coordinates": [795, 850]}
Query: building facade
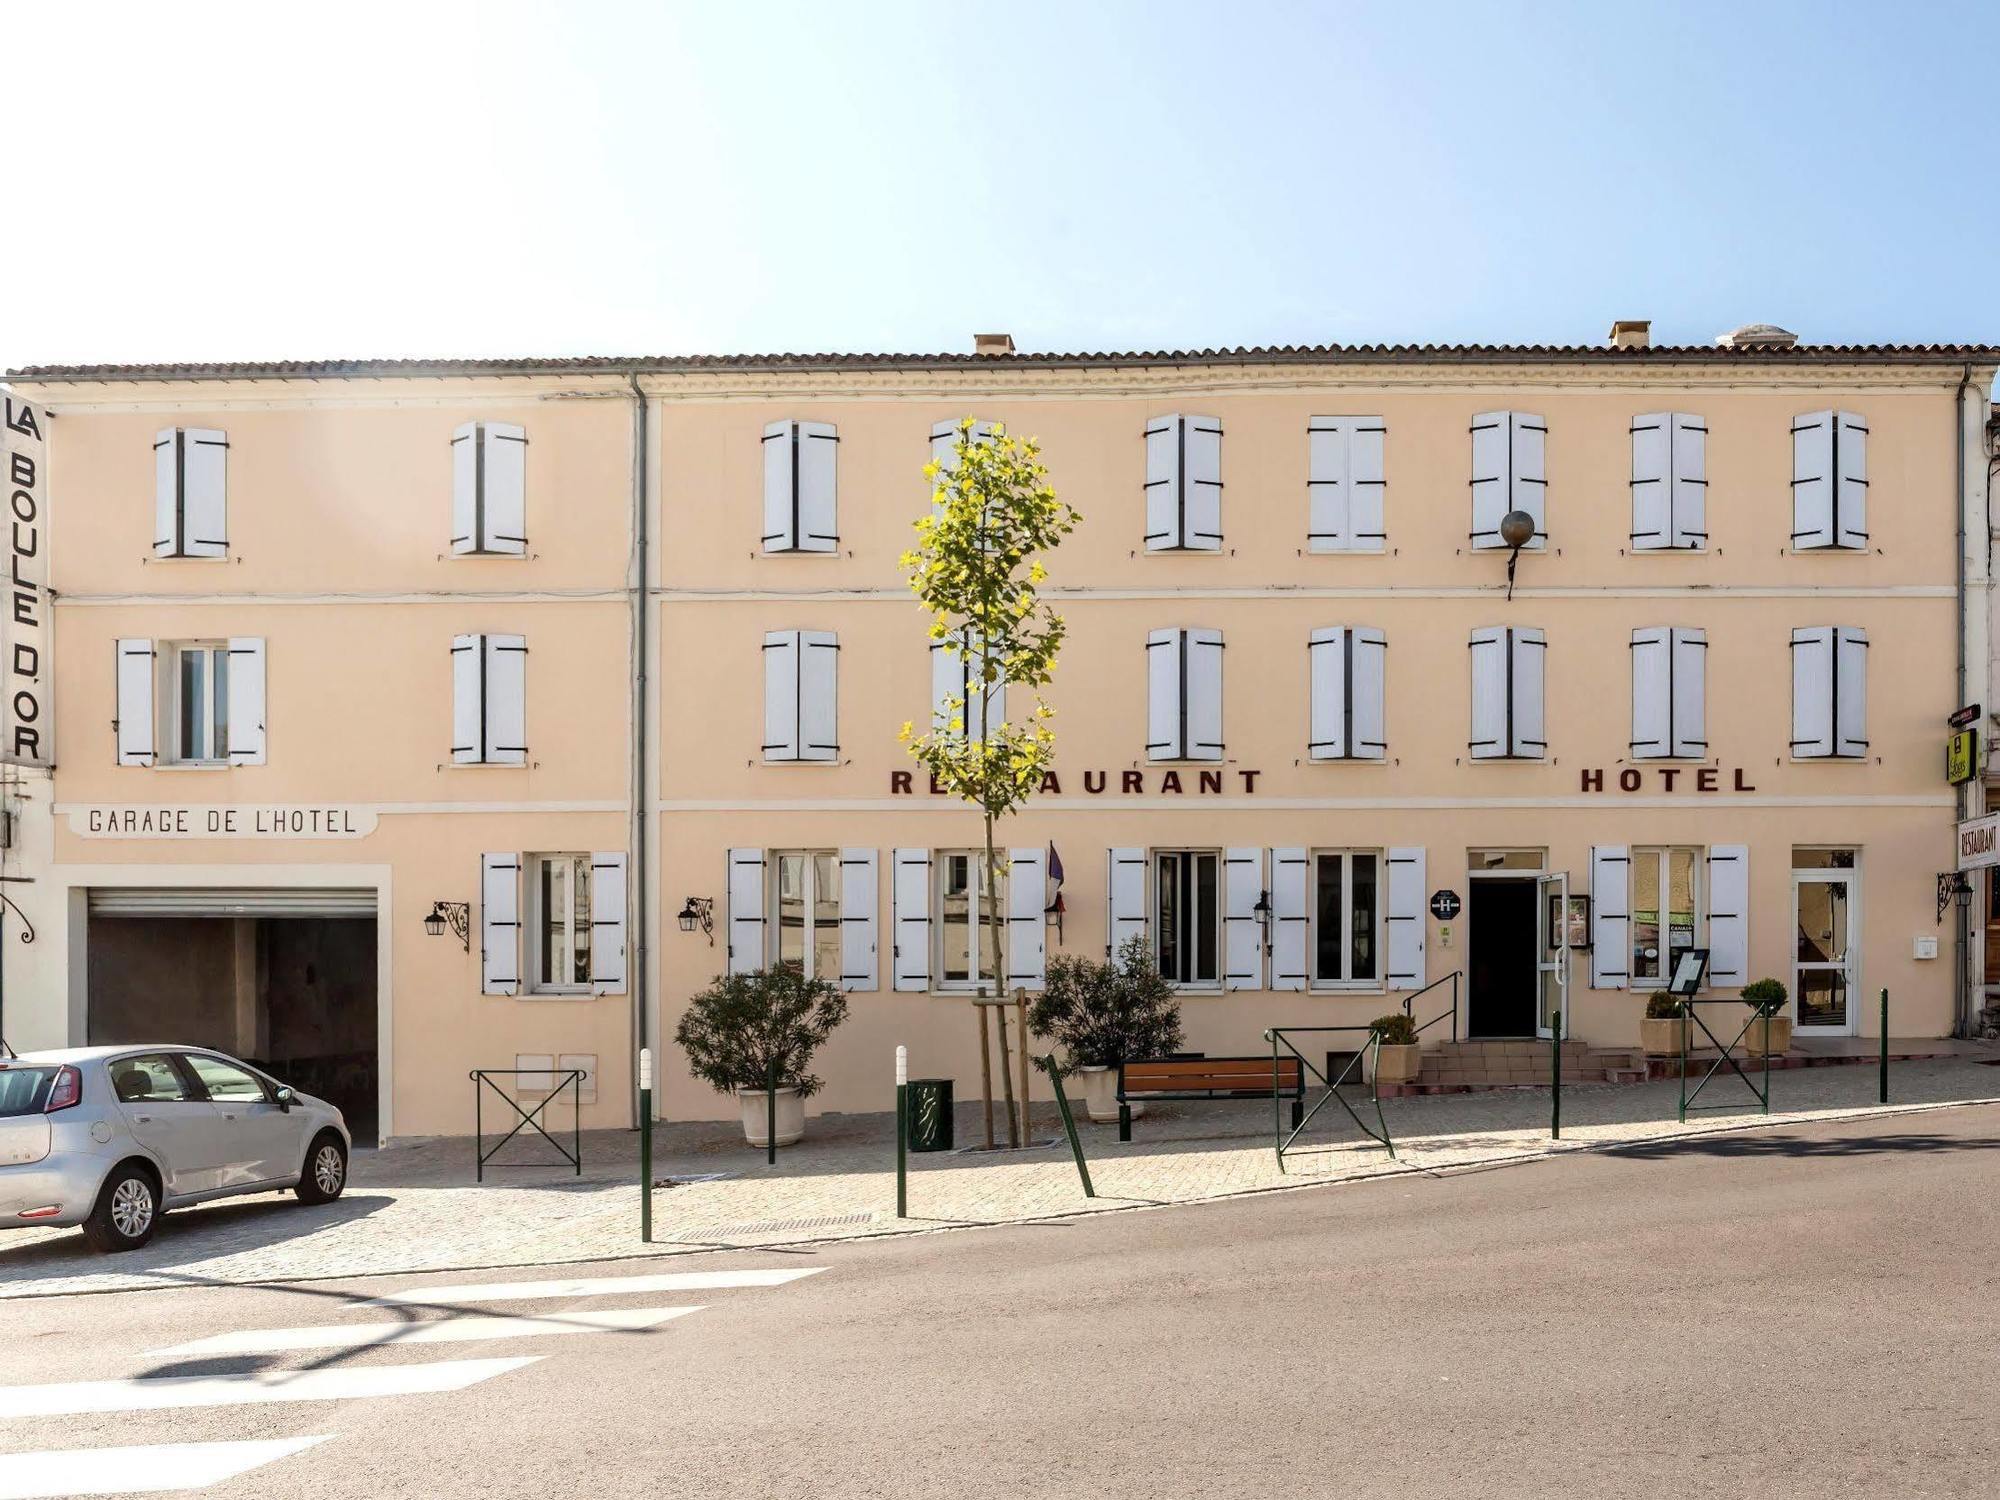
{"type": "Point", "coordinates": [1311, 751]}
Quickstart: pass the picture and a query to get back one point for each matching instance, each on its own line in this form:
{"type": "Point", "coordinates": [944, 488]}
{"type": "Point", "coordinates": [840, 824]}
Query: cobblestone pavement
{"type": "Point", "coordinates": [413, 1207]}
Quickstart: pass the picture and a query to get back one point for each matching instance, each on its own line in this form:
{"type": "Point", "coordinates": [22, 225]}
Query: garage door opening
{"type": "Point", "coordinates": [283, 979]}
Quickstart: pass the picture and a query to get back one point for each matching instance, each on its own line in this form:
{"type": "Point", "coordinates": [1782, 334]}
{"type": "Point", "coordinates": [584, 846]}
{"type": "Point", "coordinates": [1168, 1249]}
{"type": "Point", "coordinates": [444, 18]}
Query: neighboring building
{"type": "Point", "coordinates": [1295, 702]}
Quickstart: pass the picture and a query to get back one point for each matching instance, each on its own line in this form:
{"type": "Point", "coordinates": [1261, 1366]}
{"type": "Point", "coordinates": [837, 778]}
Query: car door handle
{"type": "Point", "coordinates": [227, 1115]}
{"type": "Point", "coordinates": [143, 1119]}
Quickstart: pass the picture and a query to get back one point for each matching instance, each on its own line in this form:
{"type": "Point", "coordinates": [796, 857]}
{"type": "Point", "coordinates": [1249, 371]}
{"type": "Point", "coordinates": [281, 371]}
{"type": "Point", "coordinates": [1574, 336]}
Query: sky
{"type": "Point", "coordinates": [271, 181]}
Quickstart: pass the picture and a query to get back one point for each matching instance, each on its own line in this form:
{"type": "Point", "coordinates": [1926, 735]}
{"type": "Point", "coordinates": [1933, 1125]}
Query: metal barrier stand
{"type": "Point", "coordinates": [1762, 1010]}
{"type": "Point", "coordinates": [1409, 1004]}
{"type": "Point", "coordinates": [482, 1079]}
{"type": "Point", "coordinates": [1281, 1036]}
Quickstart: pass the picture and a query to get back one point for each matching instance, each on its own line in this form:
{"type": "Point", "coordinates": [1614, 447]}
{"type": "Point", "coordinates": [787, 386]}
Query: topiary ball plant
{"type": "Point", "coordinates": [743, 1026]}
{"type": "Point", "coordinates": [1662, 1006]}
{"type": "Point", "coordinates": [1758, 990]}
{"type": "Point", "coordinates": [1394, 1029]}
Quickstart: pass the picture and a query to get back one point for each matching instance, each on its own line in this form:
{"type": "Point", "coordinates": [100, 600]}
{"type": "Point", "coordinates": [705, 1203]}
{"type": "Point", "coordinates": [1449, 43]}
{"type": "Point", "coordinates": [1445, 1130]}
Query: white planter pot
{"type": "Point", "coordinates": [1100, 1095]}
{"type": "Point", "coordinates": [791, 1115]}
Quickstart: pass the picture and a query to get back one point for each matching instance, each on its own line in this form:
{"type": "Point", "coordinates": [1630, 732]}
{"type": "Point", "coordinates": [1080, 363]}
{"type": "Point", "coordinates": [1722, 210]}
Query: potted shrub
{"type": "Point", "coordinates": [745, 1029]}
{"type": "Point", "coordinates": [1767, 1034]}
{"type": "Point", "coordinates": [1666, 1031]}
{"type": "Point", "coordinates": [1398, 1057]}
{"type": "Point", "coordinates": [1100, 1014]}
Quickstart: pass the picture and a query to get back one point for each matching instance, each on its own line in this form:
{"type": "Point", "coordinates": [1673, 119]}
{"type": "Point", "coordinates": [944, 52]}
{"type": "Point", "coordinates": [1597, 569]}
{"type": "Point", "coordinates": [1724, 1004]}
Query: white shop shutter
{"type": "Point", "coordinates": [506, 666]}
{"type": "Point", "coordinates": [1183, 484]}
{"type": "Point", "coordinates": [1290, 917]}
{"type": "Point", "coordinates": [1508, 474]}
{"type": "Point", "coordinates": [746, 910]}
{"type": "Point", "coordinates": [1406, 918]}
{"type": "Point", "coordinates": [465, 489]}
{"type": "Point", "coordinates": [1610, 916]}
{"type": "Point", "coordinates": [818, 666]}
{"type": "Point", "coordinates": [910, 892]}
{"type": "Point", "coordinates": [1125, 899]}
{"type": "Point", "coordinates": [607, 923]}
{"type": "Point", "coordinates": [859, 905]}
{"type": "Point", "coordinates": [1689, 693]}
{"type": "Point", "coordinates": [1203, 722]}
{"type": "Point", "coordinates": [1850, 691]}
{"type": "Point", "coordinates": [1166, 718]}
{"type": "Point", "coordinates": [504, 493]}
{"type": "Point", "coordinates": [136, 675]}
{"type": "Point", "coordinates": [167, 492]}
{"type": "Point", "coordinates": [204, 493]}
{"type": "Point", "coordinates": [1242, 942]}
{"type": "Point", "coordinates": [1728, 915]}
{"type": "Point", "coordinates": [1690, 482]}
{"type": "Point", "coordinates": [1812, 480]}
{"type": "Point", "coordinates": [1027, 926]}
{"type": "Point", "coordinates": [1812, 691]}
{"type": "Point", "coordinates": [247, 738]}
{"type": "Point", "coordinates": [1652, 693]}
{"type": "Point", "coordinates": [1326, 656]}
{"type": "Point", "coordinates": [499, 924]}
{"type": "Point", "coordinates": [1850, 468]}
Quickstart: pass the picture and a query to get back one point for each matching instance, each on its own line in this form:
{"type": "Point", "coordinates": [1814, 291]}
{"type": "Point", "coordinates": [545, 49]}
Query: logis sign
{"type": "Point", "coordinates": [27, 722]}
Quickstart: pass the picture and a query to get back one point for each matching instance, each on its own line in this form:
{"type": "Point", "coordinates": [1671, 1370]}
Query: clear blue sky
{"type": "Point", "coordinates": [285, 180]}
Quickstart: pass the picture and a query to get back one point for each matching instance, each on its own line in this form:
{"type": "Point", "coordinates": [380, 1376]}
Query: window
{"type": "Point", "coordinates": [190, 512]}
{"type": "Point", "coordinates": [1184, 695]}
{"type": "Point", "coordinates": [1184, 484]}
{"type": "Point", "coordinates": [1829, 482]}
{"type": "Point", "coordinates": [1347, 666]}
{"type": "Point", "coordinates": [1669, 482]}
{"type": "Point", "coordinates": [1829, 693]}
{"type": "Point", "coordinates": [1669, 673]}
{"type": "Point", "coordinates": [559, 923]}
{"type": "Point", "coordinates": [1507, 474]}
{"type": "Point", "coordinates": [489, 490]}
{"type": "Point", "coordinates": [1507, 673]}
{"type": "Point", "coordinates": [799, 702]}
{"type": "Point", "coordinates": [799, 474]}
{"type": "Point", "coordinates": [489, 700]}
{"type": "Point", "coordinates": [1665, 909]}
{"type": "Point", "coordinates": [1188, 905]}
{"type": "Point", "coordinates": [962, 702]}
{"type": "Point", "coordinates": [147, 1080]}
{"type": "Point", "coordinates": [224, 1081]}
{"type": "Point", "coordinates": [1344, 485]}
{"type": "Point", "coordinates": [1347, 904]}
{"type": "Point", "coordinates": [806, 897]}
{"type": "Point", "coordinates": [210, 702]}
{"type": "Point", "coordinates": [199, 672]}
{"type": "Point", "coordinates": [965, 953]}
{"type": "Point", "coordinates": [944, 449]}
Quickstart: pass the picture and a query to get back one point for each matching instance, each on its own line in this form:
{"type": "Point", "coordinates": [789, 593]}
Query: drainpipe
{"type": "Point", "coordinates": [1962, 987]}
{"type": "Point", "coordinates": [637, 948]}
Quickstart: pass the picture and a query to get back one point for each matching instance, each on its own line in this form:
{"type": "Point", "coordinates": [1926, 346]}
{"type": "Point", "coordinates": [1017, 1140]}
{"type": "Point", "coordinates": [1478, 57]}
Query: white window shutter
{"type": "Point", "coordinates": [1367, 480]}
{"type": "Point", "coordinates": [1652, 693]}
{"type": "Point", "coordinates": [468, 699]}
{"type": "Point", "coordinates": [506, 700]}
{"type": "Point", "coordinates": [1812, 691]}
{"type": "Point", "coordinates": [947, 683]}
{"type": "Point", "coordinates": [499, 924]}
{"type": "Point", "coordinates": [1610, 916]}
{"type": "Point", "coordinates": [1690, 482]}
{"type": "Point", "coordinates": [910, 891]}
{"type": "Point", "coordinates": [1329, 494]}
{"type": "Point", "coordinates": [859, 905]}
{"type": "Point", "coordinates": [1492, 475]}
{"type": "Point", "coordinates": [167, 492]}
{"type": "Point", "coordinates": [1652, 482]}
{"type": "Point", "coordinates": [204, 492]}
{"type": "Point", "coordinates": [781, 695]}
{"type": "Point", "coordinates": [1690, 693]}
{"type": "Point", "coordinates": [1203, 659]}
{"type": "Point", "coordinates": [818, 474]}
{"type": "Point", "coordinates": [1125, 899]}
{"type": "Point", "coordinates": [1165, 678]}
{"type": "Point", "coordinates": [781, 455]}
{"type": "Point", "coordinates": [746, 911]}
{"type": "Point", "coordinates": [1530, 652]}
{"type": "Point", "coordinates": [1202, 477]}
{"type": "Point", "coordinates": [1850, 691]}
{"type": "Point", "coordinates": [607, 923]}
{"type": "Point", "coordinates": [1242, 940]}
{"type": "Point", "coordinates": [504, 496]}
{"type": "Point", "coordinates": [136, 676]}
{"type": "Point", "coordinates": [1850, 446]}
{"type": "Point", "coordinates": [1164, 531]}
{"type": "Point", "coordinates": [1406, 918]}
{"type": "Point", "coordinates": [1728, 915]}
{"type": "Point", "coordinates": [1290, 917]}
{"type": "Point", "coordinates": [819, 657]}
{"type": "Point", "coordinates": [465, 489]}
{"type": "Point", "coordinates": [944, 447]}
{"type": "Point", "coordinates": [1027, 926]}
{"type": "Point", "coordinates": [247, 739]}
{"type": "Point", "coordinates": [1367, 689]}
{"type": "Point", "coordinates": [1812, 480]}
{"type": "Point", "coordinates": [1490, 649]}
{"type": "Point", "coordinates": [1326, 656]}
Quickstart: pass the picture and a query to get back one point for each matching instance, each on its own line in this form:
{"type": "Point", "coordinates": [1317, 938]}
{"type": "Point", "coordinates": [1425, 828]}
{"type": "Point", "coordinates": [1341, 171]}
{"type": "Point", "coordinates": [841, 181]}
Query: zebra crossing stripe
{"type": "Point", "coordinates": [595, 1286]}
{"type": "Point", "coordinates": [162, 1392]}
{"type": "Point", "coordinates": [438, 1331]}
{"type": "Point", "coordinates": [149, 1470]}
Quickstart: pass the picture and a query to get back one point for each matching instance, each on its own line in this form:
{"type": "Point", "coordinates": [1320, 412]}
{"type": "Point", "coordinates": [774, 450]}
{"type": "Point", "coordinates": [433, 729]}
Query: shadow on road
{"type": "Point", "coordinates": [1806, 1146]}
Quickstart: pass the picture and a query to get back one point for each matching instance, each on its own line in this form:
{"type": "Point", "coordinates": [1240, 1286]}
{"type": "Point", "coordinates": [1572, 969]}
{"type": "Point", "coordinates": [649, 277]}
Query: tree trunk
{"type": "Point", "coordinates": [999, 978]}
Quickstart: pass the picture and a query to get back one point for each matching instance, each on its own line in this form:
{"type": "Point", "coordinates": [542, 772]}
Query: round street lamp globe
{"type": "Point", "coordinates": [1517, 529]}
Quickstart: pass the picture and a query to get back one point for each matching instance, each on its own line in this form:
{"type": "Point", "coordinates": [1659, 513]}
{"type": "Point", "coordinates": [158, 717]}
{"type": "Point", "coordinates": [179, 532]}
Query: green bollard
{"type": "Point", "coordinates": [771, 1114]}
{"type": "Point", "coordinates": [1883, 1090]}
{"type": "Point", "coordinates": [1556, 1076]}
{"type": "Point", "coordinates": [646, 1145]}
{"type": "Point", "coordinates": [902, 1132]}
{"type": "Point", "coordinates": [1069, 1126]}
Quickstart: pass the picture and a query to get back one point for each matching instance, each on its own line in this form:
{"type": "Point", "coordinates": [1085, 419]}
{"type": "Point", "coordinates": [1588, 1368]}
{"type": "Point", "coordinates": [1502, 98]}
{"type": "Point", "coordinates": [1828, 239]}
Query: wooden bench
{"type": "Point", "coordinates": [1198, 1078]}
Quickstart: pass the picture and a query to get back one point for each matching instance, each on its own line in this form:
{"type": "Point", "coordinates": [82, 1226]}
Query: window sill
{"type": "Point", "coordinates": [1827, 760]}
{"type": "Point", "coordinates": [486, 765]}
{"type": "Point", "coordinates": [582, 994]}
{"type": "Point", "coordinates": [827, 765]}
{"type": "Point", "coordinates": [1348, 760]}
{"type": "Point", "coordinates": [1312, 551]}
{"type": "Point", "coordinates": [176, 557]}
{"type": "Point", "coordinates": [191, 765]}
{"type": "Point", "coordinates": [1347, 991]}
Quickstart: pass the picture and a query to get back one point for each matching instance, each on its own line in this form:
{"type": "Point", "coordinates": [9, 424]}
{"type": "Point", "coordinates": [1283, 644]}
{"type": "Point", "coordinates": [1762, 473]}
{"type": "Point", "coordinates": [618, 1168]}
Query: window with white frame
{"type": "Point", "coordinates": [1184, 695]}
{"type": "Point", "coordinates": [1665, 903]}
{"type": "Point", "coordinates": [1345, 485]}
{"type": "Point", "coordinates": [198, 718]}
{"type": "Point", "coordinates": [1669, 482]}
{"type": "Point", "coordinates": [805, 907]}
{"type": "Point", "coordinates": [1183, 484]}
{"type": "Point", "coordinates": [1829, 482]}
{"type": "Point", "coordinates": [1347, 668]}
{"type": "Point", "coordinates": [799, 476]}
{"type": "Point", "coordinates": [1508, 475]}
{"type": "Point", "coordinates": [1187, 903]}
{"type": "Point", "coordinates": [191, 703]}
{"type": "Point", "coordinates": [964, 912]}
{"type": "Point", "coordinates": [1347, 917]}
{"type": "Point", "coordinates": [190, 508]}
{"type": "Point", "coordinates": [559, 923]}
{"type": "Point", "coordinates": [800, 705]}
{"type": "Point", "coordinates": [489, 700]}
{"type": "Point", "coordinates": [1829, 693]}
{"type": "Point", "coordinates": [1508, 668]}
{"type": "Point", "coordinates": [489, 490]}
{"type": "Point", "coordinates": [1669, 694]}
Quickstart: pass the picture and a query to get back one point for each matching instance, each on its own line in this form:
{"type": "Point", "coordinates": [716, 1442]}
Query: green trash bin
{"type": "Point", "coordinates": [930, 1114]}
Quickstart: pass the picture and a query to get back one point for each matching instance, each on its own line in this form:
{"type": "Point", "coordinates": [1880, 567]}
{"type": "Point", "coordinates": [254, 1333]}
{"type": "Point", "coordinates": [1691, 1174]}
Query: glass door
{"type": "Point", "coordinates": [1552, 953]}
{"type": "Point", "coordinates": [1825, 973]}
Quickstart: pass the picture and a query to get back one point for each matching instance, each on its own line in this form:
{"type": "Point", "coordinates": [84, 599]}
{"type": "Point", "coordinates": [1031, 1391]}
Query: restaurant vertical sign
{"type": "Point", "coordinates": [27, 720]}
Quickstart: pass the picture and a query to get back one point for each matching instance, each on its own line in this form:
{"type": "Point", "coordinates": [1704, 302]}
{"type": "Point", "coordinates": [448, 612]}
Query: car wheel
{"type": "Point", "coordinates": [127, 1211]}
{"type": "Point", "coordinates": [325, 1176]}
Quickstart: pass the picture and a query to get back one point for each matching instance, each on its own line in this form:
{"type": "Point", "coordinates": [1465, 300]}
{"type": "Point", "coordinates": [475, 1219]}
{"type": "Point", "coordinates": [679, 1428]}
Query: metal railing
{"type": "Point", "coordinates": [1761, 1010]}
{"type": "Point", "coordinates": [1281, 1036]}
{"type": "Point", "coordinates": [482, 1080]}
{"type": "Point", "coordinates": [1409, 1004]}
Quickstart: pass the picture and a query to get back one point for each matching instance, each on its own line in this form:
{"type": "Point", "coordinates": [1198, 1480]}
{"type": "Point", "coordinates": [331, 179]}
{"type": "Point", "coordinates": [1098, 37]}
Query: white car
{"type": "Point", "coordinates": [110, 1138]}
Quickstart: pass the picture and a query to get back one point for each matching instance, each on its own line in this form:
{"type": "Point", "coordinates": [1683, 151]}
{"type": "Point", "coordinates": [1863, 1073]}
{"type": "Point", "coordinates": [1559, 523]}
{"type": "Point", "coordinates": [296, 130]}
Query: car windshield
{"type": "Point", "coordinates": [23, 1091]}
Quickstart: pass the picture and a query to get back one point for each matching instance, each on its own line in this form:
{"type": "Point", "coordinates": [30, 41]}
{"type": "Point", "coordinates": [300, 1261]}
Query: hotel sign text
{"type": "Point", "coordinates": [218, 821]}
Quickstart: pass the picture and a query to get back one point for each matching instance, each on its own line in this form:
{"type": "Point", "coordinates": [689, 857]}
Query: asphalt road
{"type": "Point", "coordinates": [1799, 1313]}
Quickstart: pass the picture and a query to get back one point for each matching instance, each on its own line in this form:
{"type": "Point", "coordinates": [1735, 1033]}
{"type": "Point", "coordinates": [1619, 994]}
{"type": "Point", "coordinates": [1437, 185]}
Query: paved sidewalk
{"type": "Point", "coordinates": [413, 1208]}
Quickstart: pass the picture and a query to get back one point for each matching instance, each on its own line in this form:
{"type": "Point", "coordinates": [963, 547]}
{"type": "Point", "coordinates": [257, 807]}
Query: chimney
{"type": "Point", "coordinates": [993, 344]}
{"type": "Point", "coordinates": [1631, 333]}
